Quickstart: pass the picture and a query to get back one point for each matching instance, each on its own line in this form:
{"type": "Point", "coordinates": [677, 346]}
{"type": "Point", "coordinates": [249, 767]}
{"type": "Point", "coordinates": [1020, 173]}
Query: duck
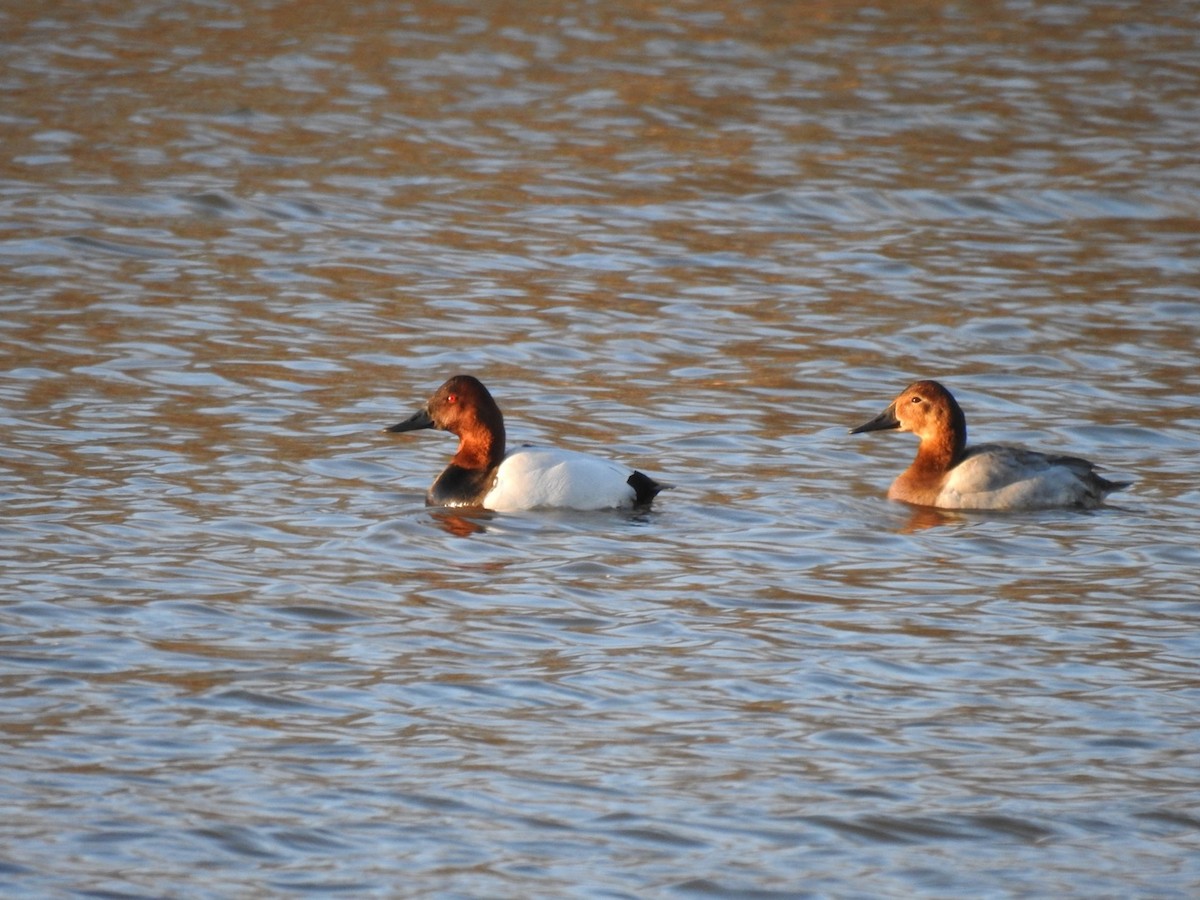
{"type": "Point", "coordinates": [948, 474]}
{"type": "Point", "coordinates": [483, 474]}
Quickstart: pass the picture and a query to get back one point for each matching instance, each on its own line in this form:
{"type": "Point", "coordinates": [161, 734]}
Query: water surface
{"type": "Point", "coordinates": [240, 657]}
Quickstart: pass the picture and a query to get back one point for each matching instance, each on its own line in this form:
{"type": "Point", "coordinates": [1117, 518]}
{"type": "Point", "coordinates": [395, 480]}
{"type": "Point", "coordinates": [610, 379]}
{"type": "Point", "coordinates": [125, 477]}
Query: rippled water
{"type": "Point", "coordinates": [239, 657]}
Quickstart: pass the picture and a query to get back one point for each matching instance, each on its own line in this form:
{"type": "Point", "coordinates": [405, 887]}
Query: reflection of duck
{"type": "Point", "coordinates": [458, 525]}
{"type": "Point", "coordinates": [948, 474]}
{"type": "Point", "coordinates": [921, 518]}
{"type": "Point", "coordinates": [482, 474]}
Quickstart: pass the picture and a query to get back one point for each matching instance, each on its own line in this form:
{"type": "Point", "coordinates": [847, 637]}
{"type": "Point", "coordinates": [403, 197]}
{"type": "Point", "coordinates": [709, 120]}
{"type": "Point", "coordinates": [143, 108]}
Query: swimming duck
{"type": "Point", "coordinates": [948, 474]}
{"type": "Point", "coordinates": [481, 473]}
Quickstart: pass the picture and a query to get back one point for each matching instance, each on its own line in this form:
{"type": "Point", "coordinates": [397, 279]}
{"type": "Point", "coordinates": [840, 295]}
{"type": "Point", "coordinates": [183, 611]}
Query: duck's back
{"type": "Point", "coordinates": [996, 476]}
{"type": "Point", "coordinates": [544, 477]}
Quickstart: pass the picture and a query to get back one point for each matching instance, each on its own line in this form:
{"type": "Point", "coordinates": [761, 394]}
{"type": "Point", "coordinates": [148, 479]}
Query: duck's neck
{"type": "Point", "coordinates": [921, 482]}
{"type": "Point", "coordinates": [468, 478]}
{"type": "Point", "coordinates": [481, 447]}
{"type": "Point", "coordinates": [940, 453]}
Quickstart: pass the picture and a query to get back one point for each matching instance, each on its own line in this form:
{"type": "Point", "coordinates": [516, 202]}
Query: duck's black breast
{"type": "Point", "coordinates": [457, 486]}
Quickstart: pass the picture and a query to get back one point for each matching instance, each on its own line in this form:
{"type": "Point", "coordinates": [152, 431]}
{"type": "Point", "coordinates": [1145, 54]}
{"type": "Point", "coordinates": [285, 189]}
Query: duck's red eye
{"type": "Point", "coordinates": [452, 398]}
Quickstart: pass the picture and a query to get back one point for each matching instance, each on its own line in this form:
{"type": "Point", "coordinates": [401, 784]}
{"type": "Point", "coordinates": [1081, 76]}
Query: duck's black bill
{"type": "Point", "coordinates": [882, 422]}
{"type": "Point", "coordinates": [415, 422]}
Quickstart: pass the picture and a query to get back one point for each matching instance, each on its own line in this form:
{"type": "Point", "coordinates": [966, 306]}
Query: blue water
{"type": "Point", "coordinates": [239, 656]}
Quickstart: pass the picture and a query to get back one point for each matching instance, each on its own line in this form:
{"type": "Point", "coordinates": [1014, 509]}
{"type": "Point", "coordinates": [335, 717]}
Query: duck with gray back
{"type": "Point", "coordinates": [948, 474]}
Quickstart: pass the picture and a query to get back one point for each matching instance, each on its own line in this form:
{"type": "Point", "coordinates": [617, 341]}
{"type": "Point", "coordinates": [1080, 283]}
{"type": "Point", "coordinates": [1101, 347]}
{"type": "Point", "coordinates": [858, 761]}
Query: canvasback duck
{"type": "Point", "coordinates": [481, 473]}
{"type": "Point", "coordinates": [949, 474]}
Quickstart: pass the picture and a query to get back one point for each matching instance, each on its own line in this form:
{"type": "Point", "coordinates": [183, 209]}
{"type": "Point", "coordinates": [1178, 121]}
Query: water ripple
{"type": "Point", "coordinates": [703, 240]}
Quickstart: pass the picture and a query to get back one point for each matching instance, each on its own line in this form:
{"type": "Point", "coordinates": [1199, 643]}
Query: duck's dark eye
{"type": "Point", "coordinates": [916, 399]}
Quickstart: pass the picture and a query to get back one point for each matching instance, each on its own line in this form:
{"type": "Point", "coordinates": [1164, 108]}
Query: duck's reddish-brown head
{"type": "Point", "coordinates": [464, 407]}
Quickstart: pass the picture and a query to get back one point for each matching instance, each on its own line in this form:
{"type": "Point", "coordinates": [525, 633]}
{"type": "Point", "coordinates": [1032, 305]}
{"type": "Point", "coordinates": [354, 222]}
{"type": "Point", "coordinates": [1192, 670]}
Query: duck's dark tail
{"type": "Point", "coordinates": [1104, 486]}
{"type": "Point", "coordinates": [645, 488]}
